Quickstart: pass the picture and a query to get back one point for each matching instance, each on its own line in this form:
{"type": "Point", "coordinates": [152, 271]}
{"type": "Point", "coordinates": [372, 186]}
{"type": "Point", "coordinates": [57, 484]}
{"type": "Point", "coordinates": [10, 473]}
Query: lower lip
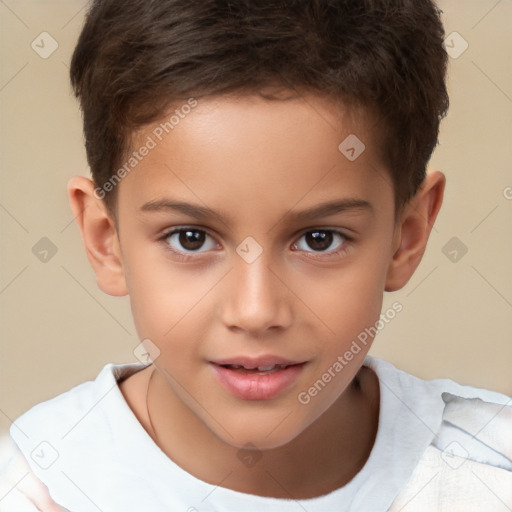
{"type": "Point", "coordinates": [252, 386]}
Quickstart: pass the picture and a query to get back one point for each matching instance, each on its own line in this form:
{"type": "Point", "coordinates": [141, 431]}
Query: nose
{"type": "Point", "coordinates": [256, 299]}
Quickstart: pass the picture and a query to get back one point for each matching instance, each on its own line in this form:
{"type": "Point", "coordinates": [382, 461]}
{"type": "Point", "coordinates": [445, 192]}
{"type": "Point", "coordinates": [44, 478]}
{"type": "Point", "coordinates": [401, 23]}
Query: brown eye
{"type": "Point", "coordinates": [320, 240]}
{"type": "Point", "coordinates": [190, 240]}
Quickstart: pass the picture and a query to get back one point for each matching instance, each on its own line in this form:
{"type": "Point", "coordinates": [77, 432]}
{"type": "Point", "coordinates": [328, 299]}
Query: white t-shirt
{"type": "Point", "coordinates": [439, 446]}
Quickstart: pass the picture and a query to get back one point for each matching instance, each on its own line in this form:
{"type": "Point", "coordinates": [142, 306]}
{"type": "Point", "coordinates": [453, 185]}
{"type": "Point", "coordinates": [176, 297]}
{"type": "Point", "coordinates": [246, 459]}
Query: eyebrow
{"type": "Point", "coordinates": [330, 208]}
{"type": "Point", "coordinates": [192, 210]}
{"type": "Point", "coordinates": [203, 212]}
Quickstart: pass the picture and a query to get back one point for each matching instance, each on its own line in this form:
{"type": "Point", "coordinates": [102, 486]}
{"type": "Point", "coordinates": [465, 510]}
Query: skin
{"type": "Point", "coordinates": [257, 163]}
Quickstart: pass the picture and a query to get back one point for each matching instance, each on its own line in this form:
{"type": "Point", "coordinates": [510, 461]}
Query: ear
{"type": "Point", "coordinates": [99, 234]}
{"type": "Point", "coordinates": [413, 229]}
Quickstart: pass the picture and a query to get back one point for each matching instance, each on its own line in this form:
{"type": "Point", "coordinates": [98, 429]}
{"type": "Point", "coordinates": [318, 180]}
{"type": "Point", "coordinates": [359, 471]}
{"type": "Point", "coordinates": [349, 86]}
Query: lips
{"type": "Point", "coordinates": [256, 362]}
{"type": "Point", "coordinates": [261, 378]}
{"type": "Point", "coordinates": [260, 370]}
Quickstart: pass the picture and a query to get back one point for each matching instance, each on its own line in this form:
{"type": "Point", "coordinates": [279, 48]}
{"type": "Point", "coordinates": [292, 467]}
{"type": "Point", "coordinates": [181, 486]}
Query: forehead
{"type": "Point", "coordinates": [247, 150]}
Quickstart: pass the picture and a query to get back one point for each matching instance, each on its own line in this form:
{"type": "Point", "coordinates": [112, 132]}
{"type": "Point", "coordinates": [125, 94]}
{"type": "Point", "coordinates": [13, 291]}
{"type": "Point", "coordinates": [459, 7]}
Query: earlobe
{"type": "Point", "coordinates": [413, 230]}
{"type": "Point", "coordinates": [99, 236]}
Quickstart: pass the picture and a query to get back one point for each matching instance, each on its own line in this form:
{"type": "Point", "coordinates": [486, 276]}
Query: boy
{"type": "Point", "coordinates": [259, 182]}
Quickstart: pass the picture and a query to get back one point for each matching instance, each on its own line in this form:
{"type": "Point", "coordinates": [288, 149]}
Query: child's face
{"type": "Point", "coordinates": [262, 277]}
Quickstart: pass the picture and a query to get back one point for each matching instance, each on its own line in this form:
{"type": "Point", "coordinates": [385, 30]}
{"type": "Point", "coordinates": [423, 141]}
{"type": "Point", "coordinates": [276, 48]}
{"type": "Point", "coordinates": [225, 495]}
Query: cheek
{"type": "Point", "coordinates": [346, 300]}
{"type": "Point", "coordinates": [164, 296]}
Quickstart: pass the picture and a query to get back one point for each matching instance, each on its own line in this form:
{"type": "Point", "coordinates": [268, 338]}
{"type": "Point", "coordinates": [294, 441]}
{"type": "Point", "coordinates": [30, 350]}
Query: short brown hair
{"type": "Point", "coordinates": [135, 58]}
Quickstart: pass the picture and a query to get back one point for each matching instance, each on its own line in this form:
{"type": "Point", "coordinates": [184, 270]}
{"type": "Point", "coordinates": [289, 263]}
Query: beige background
{"type": "Point", "coordinates": [58, 329]}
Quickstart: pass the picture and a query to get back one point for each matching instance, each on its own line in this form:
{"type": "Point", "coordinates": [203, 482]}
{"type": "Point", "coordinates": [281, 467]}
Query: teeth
{"type": "Point", "coordinates": [259, 368]}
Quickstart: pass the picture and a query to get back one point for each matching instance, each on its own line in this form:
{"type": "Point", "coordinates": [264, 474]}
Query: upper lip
{"type": "Point", "coordinates": [255, 362]}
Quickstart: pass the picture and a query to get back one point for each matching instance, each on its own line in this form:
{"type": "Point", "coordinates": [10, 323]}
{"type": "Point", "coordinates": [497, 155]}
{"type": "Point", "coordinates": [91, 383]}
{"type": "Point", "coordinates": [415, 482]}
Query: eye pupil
{"type": "Point", "coordinates": [319, 240]}
{"type": "Point", "coordinates": [191, 239]}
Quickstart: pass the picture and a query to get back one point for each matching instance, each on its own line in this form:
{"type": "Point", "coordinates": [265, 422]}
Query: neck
{"type": "Point", "coordinates": [324, 457]}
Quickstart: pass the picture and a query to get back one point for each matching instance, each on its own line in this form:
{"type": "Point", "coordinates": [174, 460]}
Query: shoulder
{"type": "Point", "coordinates": [467, 465]}
{"type": "Point", "coordinates": [91, 423]}
{"type": "Point", "coordinates": [477, 430]}
{"type": "Point", "coordinates": [60, 413]}
{"type": "Point", "coordinates": [400, 378]}
{"type": "Point", "coordinates": [463, 411]}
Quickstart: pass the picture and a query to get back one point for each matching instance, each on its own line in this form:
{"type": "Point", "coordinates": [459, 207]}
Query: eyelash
{"type": "Point", "coordinates": [318, 255]}
{"type": "Point", "coordinates": [181, 256]}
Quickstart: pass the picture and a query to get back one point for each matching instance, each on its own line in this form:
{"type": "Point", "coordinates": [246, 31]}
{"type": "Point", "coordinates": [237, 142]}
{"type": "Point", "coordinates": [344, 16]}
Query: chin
{"type": "Point", "coordinates": [259, 435]}
{"type": "Point", "coordinates": [260, 442]}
